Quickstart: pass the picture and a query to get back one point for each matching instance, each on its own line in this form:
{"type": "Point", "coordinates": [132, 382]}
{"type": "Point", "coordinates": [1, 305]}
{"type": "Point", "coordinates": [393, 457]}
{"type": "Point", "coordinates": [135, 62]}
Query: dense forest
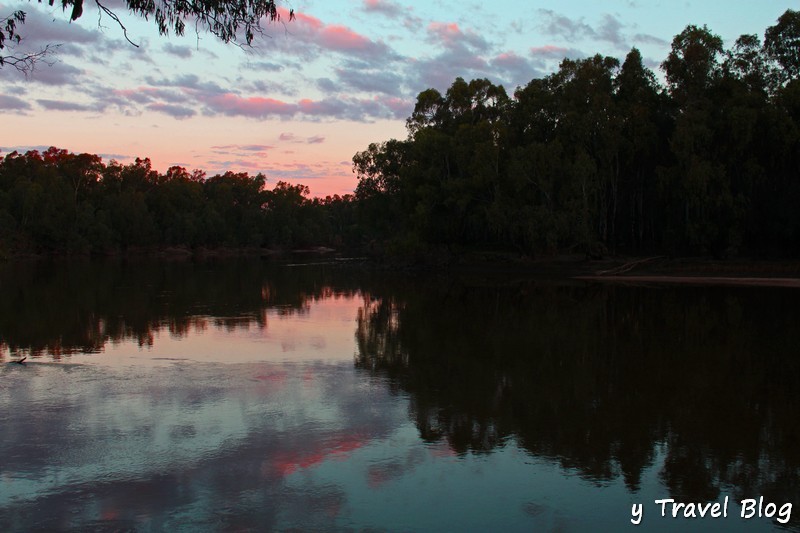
{"type": "Point", "coordinates": [60, 202]}
{"type": "Point", "coordinates": [596, 158]}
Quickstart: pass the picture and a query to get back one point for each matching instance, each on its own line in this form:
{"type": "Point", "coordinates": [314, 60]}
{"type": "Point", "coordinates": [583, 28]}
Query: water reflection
{"type": "Point", "coordinates": [600, 379]}
{"type": "Point", "coordinates": [533, 391]}
{"type": "Point", "coordinates": [68, 307]}
{"type": "Point", "coordinates": [198, 447]}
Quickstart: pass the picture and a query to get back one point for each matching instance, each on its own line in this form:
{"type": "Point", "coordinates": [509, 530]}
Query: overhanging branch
{"type": "Point", "coordinates": [27, 63]}
{"type": "Point", "coordinates": [115, 18]}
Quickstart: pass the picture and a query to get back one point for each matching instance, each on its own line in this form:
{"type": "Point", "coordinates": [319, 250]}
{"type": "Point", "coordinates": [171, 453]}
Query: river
{"type": "Point", "coordinates": [237, 395]}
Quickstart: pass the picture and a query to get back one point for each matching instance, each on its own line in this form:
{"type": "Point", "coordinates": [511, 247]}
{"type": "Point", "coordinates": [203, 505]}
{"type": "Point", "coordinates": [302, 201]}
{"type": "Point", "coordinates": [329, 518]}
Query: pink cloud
{"type": "Point", "coordinates": [341, 38]}
{"type": "Point", "coordinates": [509, 59]}
{"type": "Point", "coordinates": [445, 32]}
{"type": "Point", "coordinates": [451, 36]}
{"type": "Point", "coordinates": [302, 19]}
{"type": "Point", "coordinates": [254, 106]}
{"type": "Point", "coordinates": [334, 37]}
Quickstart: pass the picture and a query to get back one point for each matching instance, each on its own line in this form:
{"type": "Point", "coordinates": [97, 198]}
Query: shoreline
{"type": "Point", "coordinates": [697, 280]}
{"type": "Point", "coordinates": [620, 269]}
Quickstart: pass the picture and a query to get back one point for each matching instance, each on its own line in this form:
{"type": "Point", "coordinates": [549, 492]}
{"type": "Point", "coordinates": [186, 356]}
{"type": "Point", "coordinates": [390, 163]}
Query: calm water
{"type": "Point", "coordinates": [240, 395]}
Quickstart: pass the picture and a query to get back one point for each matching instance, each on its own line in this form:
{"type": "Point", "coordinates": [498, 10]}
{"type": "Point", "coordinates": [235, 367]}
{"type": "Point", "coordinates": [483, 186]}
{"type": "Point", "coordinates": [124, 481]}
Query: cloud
{"type": "Point", "coordinates": [611, 30]}
{"type": "Point", "coordinates": [371, 81]}
{"type": "Point", "coordinates": [189, 82]}
{"type": "Point", "coordinates": [184, 52]}
{"type": "Point", "coordinates": [22, 149]}
{"type": "Point", "coordinates": [317, 139]}
{"type": "Point", "coordinates": [514, 68]}
{"type": "Point", "coordinates": [349, 108]}
{"type": "Point", "coordinates": [115, 157]}
{"type": "Point", "coordinates": [255, 106]}
{"type": "Point", "coordinates": [13, 103]}
{"type": "Point", "coordinates": [41, 29]}
{"type": "Point", "coordinates": [440, 71]}
{"type": "Point", "coordinates": [58, 74]}
{"type": "Point", "coordinates": [544, 55]}
{"type": "Point", "coordinates": [263, 86]}
{"type": "Point", "coordinates": [234, 165]}
{"type": "Point", "coordinates": [460, 55]}
{"type": "Point", "coordinates": [266, 65]}
{"type": "Point", "coordinates": [242, 150]}
{"type": "Point", "coordinates": [392, 11]}
{"type": "Point", "coordinates": [254, 147]}
{"type": "Point", "coordinates": [341, 38]}
{"type": "Point", "coordinates": [175, 111]}
{"type": "Point", "coordinates": [327, 85]}
{"type": "Point", "coordinates": [61, 105]}
{"type": "Point", "coordinates": [451, 36]}
{"type": "Point", "coordinates": [128, 100]}
{"type": "Point", "coordinates": [311, 37]}
{"type": "Point", "coordinates": [401, 108]}
{"type": "Point", "coordinates": [286, 137]}
{"type": "Point", "coordinates": [644, 38]}
{"type": "Point", "coordinates": [564, 27]}
{"type": "Point", "coordinates": [384, 7]}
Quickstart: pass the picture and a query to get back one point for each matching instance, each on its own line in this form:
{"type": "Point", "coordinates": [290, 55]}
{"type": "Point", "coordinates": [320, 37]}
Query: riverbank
{"type": "Point", "coordinates": [173, 252]}
{"type": "Point", "coordinates": [698, 271]}
{"type": "Point", "coordinates": [617, 269]}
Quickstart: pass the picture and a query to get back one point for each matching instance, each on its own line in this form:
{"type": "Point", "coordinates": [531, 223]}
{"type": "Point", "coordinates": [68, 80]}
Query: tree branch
{"type": "Point", "coordinates": [115, 18]}
{"type": "Point", "coordinates": [27, 63]}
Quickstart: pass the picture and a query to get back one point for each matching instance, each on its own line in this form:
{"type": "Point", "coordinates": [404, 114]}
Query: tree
{"type": "Point", "coordinates": [693, 63]}
{"type": "Point", "coordinates": [639, 107]}
{"type": "Point", "coordinates": [782, 43]}
{"type": "Point", "coordinates": [229, 20]}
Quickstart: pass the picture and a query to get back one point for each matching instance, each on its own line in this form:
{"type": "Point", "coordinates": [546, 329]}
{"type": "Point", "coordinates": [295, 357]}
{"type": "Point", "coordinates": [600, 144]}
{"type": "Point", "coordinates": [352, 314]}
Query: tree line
{"type": "Point", "coordinates": [598, 157]}
{"type": "Point", "coordinates": [60, 202]}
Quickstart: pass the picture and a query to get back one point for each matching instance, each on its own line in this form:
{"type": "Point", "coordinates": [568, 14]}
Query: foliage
{"type": "Point", "coordinates": [60, 202]}
{"type": "Point", "coordinates": [598, 157]}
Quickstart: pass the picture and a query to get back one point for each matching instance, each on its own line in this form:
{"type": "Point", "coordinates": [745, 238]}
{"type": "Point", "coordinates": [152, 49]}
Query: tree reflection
{"type": "Point", "coordinates": [63, 307]}
{"type": "Point", "coordinates": [602, 378]}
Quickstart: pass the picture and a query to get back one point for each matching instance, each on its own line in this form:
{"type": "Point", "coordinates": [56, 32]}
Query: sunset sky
{"type": "Point", "coordinates": [312, 92]}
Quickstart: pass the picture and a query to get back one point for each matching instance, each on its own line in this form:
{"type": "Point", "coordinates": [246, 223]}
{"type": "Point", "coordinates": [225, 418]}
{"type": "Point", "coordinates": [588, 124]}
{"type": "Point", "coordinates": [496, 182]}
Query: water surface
{"type": "Point", "coordinates": [242, 395]}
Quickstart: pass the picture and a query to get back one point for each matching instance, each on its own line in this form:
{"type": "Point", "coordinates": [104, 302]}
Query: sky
{"type": "Point", "coordinates": [312, 92]}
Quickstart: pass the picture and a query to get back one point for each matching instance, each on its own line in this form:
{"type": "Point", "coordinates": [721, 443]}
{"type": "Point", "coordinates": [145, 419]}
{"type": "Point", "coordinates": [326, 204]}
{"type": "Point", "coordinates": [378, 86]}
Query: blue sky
{"type": "Point", "coordinates": [311, 92]}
